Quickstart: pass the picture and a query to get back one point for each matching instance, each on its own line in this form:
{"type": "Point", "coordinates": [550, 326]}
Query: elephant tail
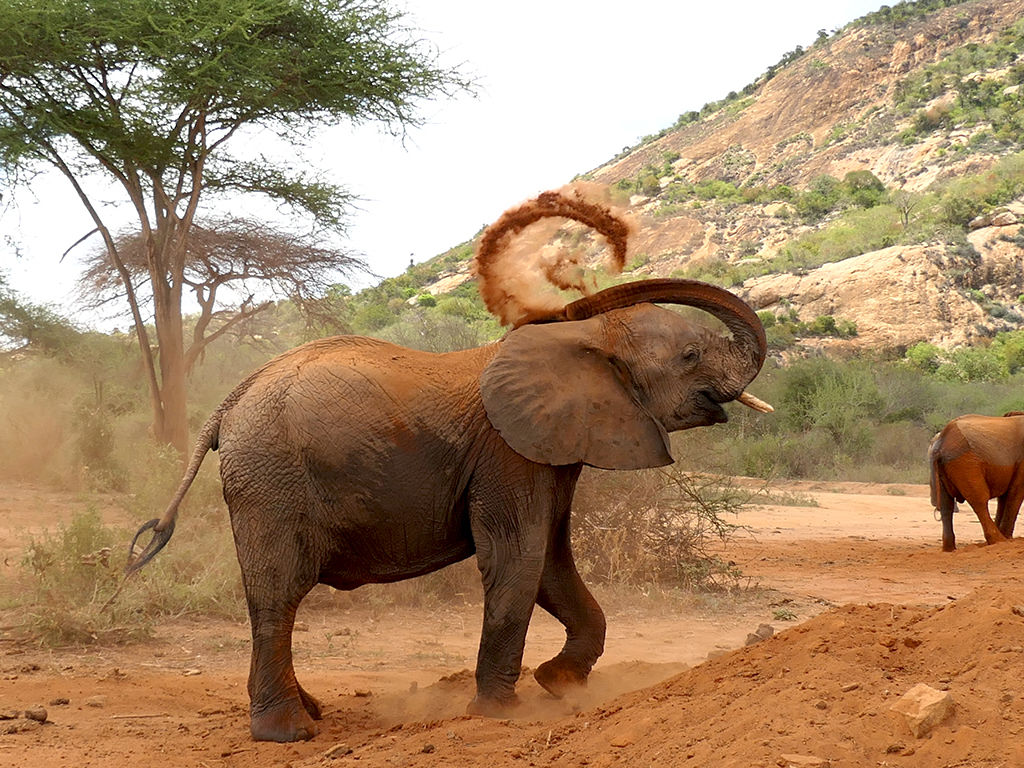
{"type": "Point", "coordinates": [163, 527]}
{"type": "Point", "coordinates": [938, 483]}
{"type": "Point", "coordinates": [934, 481]}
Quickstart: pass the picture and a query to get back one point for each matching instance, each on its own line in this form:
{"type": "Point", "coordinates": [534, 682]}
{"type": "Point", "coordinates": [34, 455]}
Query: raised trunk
{"type": "Point", "coordinates": [749, 345]}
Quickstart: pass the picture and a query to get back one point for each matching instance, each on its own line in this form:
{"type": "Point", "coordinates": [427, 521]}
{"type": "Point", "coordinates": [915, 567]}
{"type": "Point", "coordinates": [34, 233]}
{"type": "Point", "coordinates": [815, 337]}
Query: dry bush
{"type": "Point", "coordinates": [655, 527]}
{"type": "Point", "coordinates": [70, 590]}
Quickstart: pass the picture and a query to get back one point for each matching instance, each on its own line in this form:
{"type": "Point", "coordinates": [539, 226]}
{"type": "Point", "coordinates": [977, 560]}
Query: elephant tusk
{"type": "Point", "coordinates": [752, 402]}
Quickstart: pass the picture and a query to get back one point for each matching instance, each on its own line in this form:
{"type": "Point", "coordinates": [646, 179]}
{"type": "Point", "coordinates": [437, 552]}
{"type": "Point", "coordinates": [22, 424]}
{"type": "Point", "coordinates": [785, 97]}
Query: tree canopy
{"type": "Point", "coordinates": [27, 325]}
{"type": "Point", "coordinates": [148, 97]}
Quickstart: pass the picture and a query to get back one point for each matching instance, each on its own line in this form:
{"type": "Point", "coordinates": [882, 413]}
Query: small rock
{"type": "Point", "coordinates": [413, 687]}
{"type": "Point", "coordinates": [1018, 610]}
{"type": "Point", "coordinates": [763, 632]}
{"type": "Point", "coordinates": [300, 626]}
{"type": "Point", "coordinates": [821, 704]}
{"type": "Point", "coordinates": [9, 714]}
{"type": "Point", "coordinates": [362, 694]}
{"type": "Point", "coordinates": [37, 713]}
{"type": "Point", "coordinates": [850, 687]}
{"type": "Point", "coordinates": [923, 707]}
{"type": "Point", "coordinates": [800, 761]}
{"type": "Point", "coordinates": [427, 749]}
{"type": "Point", "coordinates": [338, 750]}
{"type": "Point", "coordinates": [60, 701]}
{"type": "Point", "coordinates": [96, 701]}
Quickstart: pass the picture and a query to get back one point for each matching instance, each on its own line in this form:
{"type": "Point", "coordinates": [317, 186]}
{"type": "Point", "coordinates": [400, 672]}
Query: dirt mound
{"type": "Point", "coordinates": [823, 690]}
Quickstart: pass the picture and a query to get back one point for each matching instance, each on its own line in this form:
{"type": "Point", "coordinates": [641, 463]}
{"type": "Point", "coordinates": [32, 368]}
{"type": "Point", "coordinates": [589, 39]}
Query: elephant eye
{"type": "Point", "coordinates": [689, 357]}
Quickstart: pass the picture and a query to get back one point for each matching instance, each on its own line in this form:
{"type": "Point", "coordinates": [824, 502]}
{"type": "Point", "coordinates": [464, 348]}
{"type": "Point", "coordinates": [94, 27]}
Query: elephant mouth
{"type": "Point", "coordinates": [702, 411]}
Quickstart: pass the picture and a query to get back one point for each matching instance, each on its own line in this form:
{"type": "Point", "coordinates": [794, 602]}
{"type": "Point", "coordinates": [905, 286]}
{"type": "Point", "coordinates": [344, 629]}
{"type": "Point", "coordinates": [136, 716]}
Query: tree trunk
{"type": "Point", "coordinates": [172, 418]}
{"type": "Point", "coordinates": [170, 413]}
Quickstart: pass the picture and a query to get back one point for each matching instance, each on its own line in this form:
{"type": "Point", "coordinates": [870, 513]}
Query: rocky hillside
{"type": "Point", "coordinates": [911, 104]}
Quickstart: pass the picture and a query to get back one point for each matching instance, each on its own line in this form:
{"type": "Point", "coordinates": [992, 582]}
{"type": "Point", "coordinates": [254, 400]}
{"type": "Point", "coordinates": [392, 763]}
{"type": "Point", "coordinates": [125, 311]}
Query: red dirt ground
{"type": "Point", "coordinates": [863, 602]}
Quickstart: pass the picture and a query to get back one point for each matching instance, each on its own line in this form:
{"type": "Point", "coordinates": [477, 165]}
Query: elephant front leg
{"type": "Point", "coordinates": [280, 710]}
{"type": "Point", "coordinates": [510, 592]}
{"type": "Point", "coordinates": [564, 595]}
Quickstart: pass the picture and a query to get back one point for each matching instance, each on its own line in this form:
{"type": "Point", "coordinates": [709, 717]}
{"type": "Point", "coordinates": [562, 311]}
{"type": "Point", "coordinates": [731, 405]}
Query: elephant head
{"type": "Point", "coordinates": [604, 380]}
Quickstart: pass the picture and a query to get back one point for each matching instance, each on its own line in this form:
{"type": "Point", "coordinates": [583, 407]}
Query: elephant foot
{"type": "Point", "coordinates": [995, 538]}
{"type": "Point", "coordinates": [948, 547]}
{"type": "Point", "coordinates": [560, 676]}
{"type": "Point", "coordinates": [285, 723]}
{"type": "Point", "coordinates": [484, 706]}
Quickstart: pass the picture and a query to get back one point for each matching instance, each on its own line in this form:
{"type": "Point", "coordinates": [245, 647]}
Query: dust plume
{"type": "Point", "coordinates": [521, 273]}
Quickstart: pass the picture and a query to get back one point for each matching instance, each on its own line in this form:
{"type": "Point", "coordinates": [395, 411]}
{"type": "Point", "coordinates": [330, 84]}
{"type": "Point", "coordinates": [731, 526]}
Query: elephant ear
{"type": "Point", "coordinates": [555, 399]}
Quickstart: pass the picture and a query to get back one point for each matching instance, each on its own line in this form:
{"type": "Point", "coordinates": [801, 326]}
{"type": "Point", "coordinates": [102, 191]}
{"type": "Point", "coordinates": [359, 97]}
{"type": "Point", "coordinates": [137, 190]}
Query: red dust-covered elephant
{"type": "Point", "coordinates": [350, 461]}
{"type": "Point", "coordinates": [974, 459]}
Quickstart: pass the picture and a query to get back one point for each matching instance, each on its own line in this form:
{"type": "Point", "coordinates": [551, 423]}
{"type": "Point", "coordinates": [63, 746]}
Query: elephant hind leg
{"type": "Point", "coordinates": [980, 506]}
{"type": "Point", "coordinates": [280, 710]}
{"type": "Point", "coordinates": [947, 506]}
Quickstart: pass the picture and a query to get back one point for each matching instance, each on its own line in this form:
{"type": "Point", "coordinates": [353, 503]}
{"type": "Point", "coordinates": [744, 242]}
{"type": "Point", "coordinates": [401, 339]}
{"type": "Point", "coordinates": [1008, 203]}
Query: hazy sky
{"type": "Point", "coordinates": [564, 86]}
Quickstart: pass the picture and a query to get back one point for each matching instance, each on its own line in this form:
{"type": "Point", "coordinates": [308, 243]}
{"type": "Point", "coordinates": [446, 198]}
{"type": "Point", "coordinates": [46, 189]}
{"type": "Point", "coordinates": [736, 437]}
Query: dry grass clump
{"type": "Point", "coordinates": [65, 588]}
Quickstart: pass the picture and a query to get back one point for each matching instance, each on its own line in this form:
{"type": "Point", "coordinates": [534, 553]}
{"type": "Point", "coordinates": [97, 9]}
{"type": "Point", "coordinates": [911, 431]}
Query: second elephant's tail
{"type": "Point", "coordinates": [934, 481]}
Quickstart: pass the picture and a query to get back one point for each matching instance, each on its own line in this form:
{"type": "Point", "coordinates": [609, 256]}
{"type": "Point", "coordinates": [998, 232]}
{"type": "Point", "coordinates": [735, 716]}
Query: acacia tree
{"type": "Point", "coordinates": [231, 266]}
{"type": "Point", "coordinates": [147, 96]}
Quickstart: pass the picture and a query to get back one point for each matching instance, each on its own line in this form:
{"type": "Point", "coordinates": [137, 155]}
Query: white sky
{"type": "Point", "coordinates": [564, 86]}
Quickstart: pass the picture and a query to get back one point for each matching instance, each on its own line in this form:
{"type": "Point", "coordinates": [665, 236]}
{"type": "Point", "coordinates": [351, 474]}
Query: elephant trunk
{"type": "Point", "coordinates": [749, 343]}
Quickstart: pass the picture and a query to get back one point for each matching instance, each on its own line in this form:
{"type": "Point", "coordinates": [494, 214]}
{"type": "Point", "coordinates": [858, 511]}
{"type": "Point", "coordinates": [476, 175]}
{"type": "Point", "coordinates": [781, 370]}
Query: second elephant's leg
{"type": "Point", "coordinates": [980, 506]}
{"type": "Point", "coordinates": [1009, 507]}
{"type": "Point", "coordinates": [564, 595]}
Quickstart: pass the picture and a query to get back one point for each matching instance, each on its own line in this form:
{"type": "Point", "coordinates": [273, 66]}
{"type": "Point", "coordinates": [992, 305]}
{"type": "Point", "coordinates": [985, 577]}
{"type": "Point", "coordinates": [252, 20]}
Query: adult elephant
{"type": "Point", "coordinates": [349, 461]}
{"type": "Point", "coordinates": [974, 459]}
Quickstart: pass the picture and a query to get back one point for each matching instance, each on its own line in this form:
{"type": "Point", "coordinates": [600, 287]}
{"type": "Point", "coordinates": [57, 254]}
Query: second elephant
{"type": "Point", "coordinates": [976, 458]}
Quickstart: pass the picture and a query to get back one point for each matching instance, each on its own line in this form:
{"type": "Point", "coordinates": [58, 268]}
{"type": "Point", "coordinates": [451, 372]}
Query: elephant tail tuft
{"type": "Point", "coordinates": [163, 527]}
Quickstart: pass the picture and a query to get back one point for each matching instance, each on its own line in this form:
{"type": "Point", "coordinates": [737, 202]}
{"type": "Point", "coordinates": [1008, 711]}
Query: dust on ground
{"type": "Point", "coordinates": [863, 603]}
